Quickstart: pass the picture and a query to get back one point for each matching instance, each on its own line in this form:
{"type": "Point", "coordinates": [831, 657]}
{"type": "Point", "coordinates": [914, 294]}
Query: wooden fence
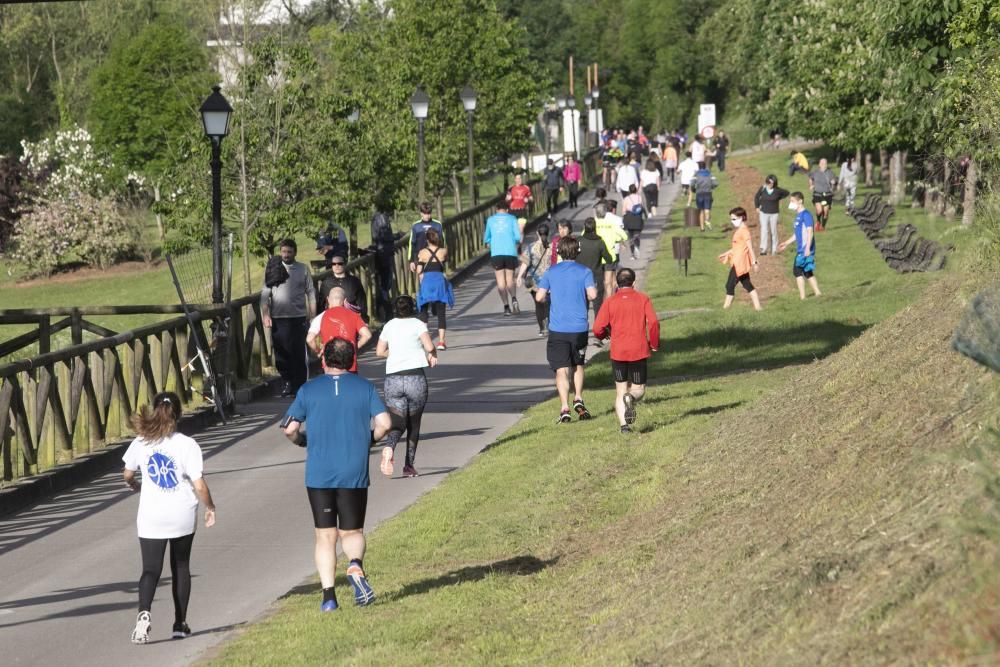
{"type": "Point", "coordinates": [65, 403]}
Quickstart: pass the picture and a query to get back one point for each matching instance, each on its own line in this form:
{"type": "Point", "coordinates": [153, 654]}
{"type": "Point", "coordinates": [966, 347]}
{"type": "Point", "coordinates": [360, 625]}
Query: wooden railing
{"type": "Point", "coordinates": [65, 403]}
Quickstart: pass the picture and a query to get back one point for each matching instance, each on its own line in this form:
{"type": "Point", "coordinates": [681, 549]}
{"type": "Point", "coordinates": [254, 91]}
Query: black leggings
{"type": "Point", "coordinates": [733, 279]}
{"type": "Point", "coordinates": [436, 308]}
{"type": "Point", "coordinates": [671, 173]}
{"type": "Point", "coordinates": [180, 572]}
{"type": "Point", "coordinates": [551, 201]}
{"type": "Point", "coordinates": [634, 239]}
{"type": "Point", "coordinates": [541, 311]}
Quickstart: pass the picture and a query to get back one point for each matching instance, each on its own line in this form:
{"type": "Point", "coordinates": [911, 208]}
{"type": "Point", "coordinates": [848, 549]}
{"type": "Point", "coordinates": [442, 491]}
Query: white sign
{"type": "Point", "coordinates": [706, 112]}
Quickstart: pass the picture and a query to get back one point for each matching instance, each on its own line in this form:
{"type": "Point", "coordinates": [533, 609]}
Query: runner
{"type": "Point", "coordinates": [687, 170]}
{"type": "Point", "coordinates": [650, 180]}
{"type": "Point", "coordinates": [343, 413]}
{"type": "Point", "coordinates": [519, 197]}
{"type": "Point", "coordinates": [571, 286]}
{"type": "Point", "coordinates": [338, 321]}
{"type": "Point", "coordinates": [595, 256]}
{"type": "Point", "coordinates": [629, 319]}
{"type": "Point", "coordinates": [611, 229]}
{"type": "Point", "coordinates": [535, 261]}
{"type": "Point", "coordinates": [805, 246]}
{"type": "Point", "coordinates": [418, 233]}
{"type": "Point", "coordinates": [740, 256]}
{"type": "Point", "coordinates": [572, 175]}
{"type": "Point", "coordinates": [822, 183]}
{"type": "Point", "coordinates": [702, 185]}
{"type": "Point", "coordinates": [354, 289]}
{"type": "Point", "coordinates": [502, 235]}
{"type": "Point", "coordinates": [435, 290]}
{"type": "Point", "coordinates": [564, 230]}
{"type": "Point", "coordinates": [634, 219]}
{"type": "Point", "coordinates": [407, 349]}
{"type": "Point", "coordinates": [627, 177]}
{"type": "Point", "coordinates": [171, 464]}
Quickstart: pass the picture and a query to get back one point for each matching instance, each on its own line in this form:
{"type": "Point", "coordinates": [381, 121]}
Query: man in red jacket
{"type": "Point", "coordinates": [629, 319]}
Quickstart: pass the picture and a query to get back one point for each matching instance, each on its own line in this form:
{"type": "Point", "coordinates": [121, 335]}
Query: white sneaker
{"type": "Point", "coordinates": [143, 624]}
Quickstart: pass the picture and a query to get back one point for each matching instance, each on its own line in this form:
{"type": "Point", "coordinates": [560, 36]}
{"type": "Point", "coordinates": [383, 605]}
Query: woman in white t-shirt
{"type": "Point", "coordinates": [408, 350]}
{"type": "Point", "coordinates": [171, 466]}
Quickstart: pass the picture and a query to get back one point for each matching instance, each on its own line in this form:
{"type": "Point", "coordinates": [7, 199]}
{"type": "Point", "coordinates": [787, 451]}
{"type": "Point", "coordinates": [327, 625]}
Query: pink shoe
{"type": "Point", "coordinates": [386, 466]}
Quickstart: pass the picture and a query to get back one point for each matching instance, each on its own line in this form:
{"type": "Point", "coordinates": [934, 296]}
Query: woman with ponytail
{"type": "Point", "coordinates": [171, 465]}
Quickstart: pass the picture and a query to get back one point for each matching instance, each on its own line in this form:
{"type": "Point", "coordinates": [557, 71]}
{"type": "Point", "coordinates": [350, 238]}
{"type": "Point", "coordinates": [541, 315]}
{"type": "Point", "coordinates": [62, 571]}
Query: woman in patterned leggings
{"type": "Point", "coordinates": [408, 350]}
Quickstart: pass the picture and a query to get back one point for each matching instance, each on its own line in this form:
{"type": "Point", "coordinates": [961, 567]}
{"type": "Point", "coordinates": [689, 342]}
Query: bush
{"type": "Point", "coordinates": [91, 229]}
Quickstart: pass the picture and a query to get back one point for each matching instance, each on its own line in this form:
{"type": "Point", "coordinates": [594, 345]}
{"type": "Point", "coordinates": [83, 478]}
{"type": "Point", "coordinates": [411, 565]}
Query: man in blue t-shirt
{"type": "Point", "coordinates": [343, 413]}
{"type": "Point", "coordinates": [502, 235]}
{"type": "Point", "coordinates": [805, 246]}
{"type": "Point", "coordinates": [570, 286]}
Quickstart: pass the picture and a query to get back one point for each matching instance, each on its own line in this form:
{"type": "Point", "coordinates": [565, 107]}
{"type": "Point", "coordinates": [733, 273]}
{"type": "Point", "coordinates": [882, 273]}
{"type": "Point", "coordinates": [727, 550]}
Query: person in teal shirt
{"type": "Point", "coordinates": [503, 234]}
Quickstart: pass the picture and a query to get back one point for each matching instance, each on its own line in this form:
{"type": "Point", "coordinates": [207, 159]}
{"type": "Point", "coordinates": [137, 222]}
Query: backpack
{"type": "Point", "coordinates": [274, 273]}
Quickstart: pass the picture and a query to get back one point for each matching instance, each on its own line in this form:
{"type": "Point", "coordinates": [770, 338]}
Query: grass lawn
{"type": "Point", "coordinates": [792, 514]}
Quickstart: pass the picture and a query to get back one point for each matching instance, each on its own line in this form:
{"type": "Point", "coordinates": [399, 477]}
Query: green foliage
{"type": "Point", "coordinates": [146, 96]}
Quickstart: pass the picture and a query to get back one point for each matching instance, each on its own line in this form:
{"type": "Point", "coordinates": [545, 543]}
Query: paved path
{"type": "Point", "coordinates": [69, 566]}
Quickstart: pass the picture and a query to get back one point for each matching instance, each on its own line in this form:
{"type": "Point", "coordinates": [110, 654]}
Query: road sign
{"type": "Point", "coordinates": [708, 131]}
{"type": "Point", "coordinates": [707, 113]}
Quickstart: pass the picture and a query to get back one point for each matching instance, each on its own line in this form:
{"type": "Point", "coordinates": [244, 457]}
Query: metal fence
{"type": "Point", "coordinates": [62, 404]}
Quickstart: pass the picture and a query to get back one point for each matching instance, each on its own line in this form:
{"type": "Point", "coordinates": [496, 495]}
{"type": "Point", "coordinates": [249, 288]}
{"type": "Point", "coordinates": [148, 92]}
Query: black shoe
{"type": "Point", "coordinates": [181, 631]}
{"type": "Point", "coordinates": [625, 429]}
{"type": "Point", "coordinates": [581, 410]}
{"type": "Point", "coordinates": [506, 311]}
{"type": "Point", "coordinates": [763, 253]}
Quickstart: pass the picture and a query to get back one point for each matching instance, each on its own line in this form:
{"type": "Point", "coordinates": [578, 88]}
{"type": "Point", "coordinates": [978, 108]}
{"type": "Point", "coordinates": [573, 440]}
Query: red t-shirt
{"type": "Point", "coordinates": [634, 327]}
{"type": "Point", "coordinates": [341, 322]}
{"type": "Point", "coordinates": [519, 195]}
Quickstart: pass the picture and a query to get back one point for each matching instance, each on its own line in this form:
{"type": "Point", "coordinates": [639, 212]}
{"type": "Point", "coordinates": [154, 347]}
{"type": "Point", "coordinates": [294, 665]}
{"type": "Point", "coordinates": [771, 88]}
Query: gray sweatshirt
{"type": "Point", "coordinates": [290, 298]}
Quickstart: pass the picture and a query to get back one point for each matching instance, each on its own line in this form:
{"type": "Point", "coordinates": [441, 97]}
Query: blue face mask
{"type": "Point", "coordinates": [769, 189]}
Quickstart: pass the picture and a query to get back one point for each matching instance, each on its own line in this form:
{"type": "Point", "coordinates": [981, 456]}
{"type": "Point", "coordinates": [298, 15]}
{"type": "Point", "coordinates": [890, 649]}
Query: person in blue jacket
{"type": "Point", "coordinates": [503, 234]}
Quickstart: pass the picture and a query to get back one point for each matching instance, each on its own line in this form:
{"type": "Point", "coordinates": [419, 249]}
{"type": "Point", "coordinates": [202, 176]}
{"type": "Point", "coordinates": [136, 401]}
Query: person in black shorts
{"type": "Point", "coordinates": [344, 413]}
{"type": "Point", "coordinates": [503, 236]}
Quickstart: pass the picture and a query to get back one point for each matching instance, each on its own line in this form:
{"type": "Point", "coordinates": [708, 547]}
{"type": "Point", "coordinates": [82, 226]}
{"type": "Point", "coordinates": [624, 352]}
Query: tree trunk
{"type": "Point", "coordinates": [969, 201]}
{"type": "Point", "coordinates": [883, 168]}
{"type": "Point", "coordinates": [942, 201]}
{"type": "Point", "coordinates": [869, 170]}
{"type": "Point", "coordinates": [159, 217]}
{"type": "Point", "coordinates": [897, 180]}
{"type": "Point", "coordinates": [456, 192]}
{"type": "Point", "coordinates": [439, 205]}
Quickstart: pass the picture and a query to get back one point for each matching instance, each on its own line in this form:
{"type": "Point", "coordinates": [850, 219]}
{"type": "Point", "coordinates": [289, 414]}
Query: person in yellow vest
{"type": "Point", "coordinates": [741, 259]}
{"type": "Point", "coordinates": [798, 163]}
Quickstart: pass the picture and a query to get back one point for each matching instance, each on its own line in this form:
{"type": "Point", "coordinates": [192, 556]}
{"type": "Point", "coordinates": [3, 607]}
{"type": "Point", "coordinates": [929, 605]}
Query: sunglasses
{"type": "Point", "coordinates": [336, 263]}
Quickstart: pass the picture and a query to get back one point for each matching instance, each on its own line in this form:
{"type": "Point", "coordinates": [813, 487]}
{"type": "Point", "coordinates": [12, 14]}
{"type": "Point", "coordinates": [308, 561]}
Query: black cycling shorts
{"type": "Point", "coordinates": [504, 262]}
{"type": "Point", "coordinates": [519, 213]}
{"type": "Point", "coordinates": [338, 508]}
{"type": "Point", "coordinates": [825, 198]}
{"type": "Point", "coordinates": [566, 350]}
{"type": "Point", "coordinates": [733, 279]}
{"type": "Point", "coordinates": [633, 372]}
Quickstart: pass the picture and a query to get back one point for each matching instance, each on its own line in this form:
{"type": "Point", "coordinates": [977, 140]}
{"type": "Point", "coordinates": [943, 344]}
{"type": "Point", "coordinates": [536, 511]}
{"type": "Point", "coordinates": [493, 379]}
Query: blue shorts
{"type": "Point", "coordinates": [703, 201]}
{"type": "Point", "coordinates": [804, 266]}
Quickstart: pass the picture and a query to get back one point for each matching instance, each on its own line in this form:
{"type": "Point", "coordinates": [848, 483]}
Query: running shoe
{"type": "Point", "coordinates": [181, 631]}
{"type": "Point", "coordinates": [441, 346]}
{"type": "Point", "coordinates": [329, 605]}
{"type": "Point", "coordinates": [564, 417]}
{"type": "Point", "coordinates": [506, 311]}
{"type": "Point", "coordinates": [363, 593]}
{"type": "Point", "coordinates": [541, 333]}
{"type": "Point", "coordinates": [629, 401]}
{"type": "Point", "coordinates": [143, 624]}
{"type": "Point", "coordinates": [581, 410]}
{"type": "Point", "coordinates": [386, 466]}
{"type": "Point", "coordinates": [626, 429]}
{"type": "Point", "coordinates": [410, 471]}
{"type": "Point", "coordinates": [515, 307]}
{"type": "Point", "coordinates": [598, 342]}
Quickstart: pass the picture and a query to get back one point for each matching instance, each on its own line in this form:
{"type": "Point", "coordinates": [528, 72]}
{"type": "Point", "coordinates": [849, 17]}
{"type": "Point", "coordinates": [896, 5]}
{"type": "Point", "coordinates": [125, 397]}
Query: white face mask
{"type": "Point", "coordinates": [737, 222]}
{"type": "Point", "coordinates": [792, 206]}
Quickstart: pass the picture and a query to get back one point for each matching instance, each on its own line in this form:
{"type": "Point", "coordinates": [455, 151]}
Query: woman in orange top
{"type": "Point", "coordinates": [742, 259]}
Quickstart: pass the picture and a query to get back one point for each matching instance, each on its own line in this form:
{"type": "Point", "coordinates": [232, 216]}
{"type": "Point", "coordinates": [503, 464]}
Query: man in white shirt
{"type": "Point", "coordinates": [687, 169]}
{"type": "Point", "coordinates": [698, 150]}
{"type": "Point", "coordinates": [627, 176]}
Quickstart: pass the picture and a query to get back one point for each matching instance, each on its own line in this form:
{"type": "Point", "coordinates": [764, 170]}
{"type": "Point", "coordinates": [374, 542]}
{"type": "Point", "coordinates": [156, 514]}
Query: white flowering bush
{"type": "Point", "coordinates": [67, 164]}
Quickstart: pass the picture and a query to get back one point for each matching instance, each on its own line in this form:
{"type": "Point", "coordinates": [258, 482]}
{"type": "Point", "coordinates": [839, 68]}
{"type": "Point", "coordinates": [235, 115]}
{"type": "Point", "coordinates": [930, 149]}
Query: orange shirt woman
{"type": "Point", "coordinates": [742, 259]}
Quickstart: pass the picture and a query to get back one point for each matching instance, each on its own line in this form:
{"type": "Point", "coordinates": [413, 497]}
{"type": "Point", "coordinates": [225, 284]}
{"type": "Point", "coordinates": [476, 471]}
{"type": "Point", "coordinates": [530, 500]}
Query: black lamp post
{"type": "Point", "coordinates": [589, 101]}
{"type": "Point", "coordinates": [420, 103]}
{"type": "Point", "coordinates": [596, 94]}
{"type": "Point", "coordinates": [571, 103]}
{"type": "Point", "coordinates": [468, 96]}
{"type": "Point", "coordinates": [561, 104]}
{"type": "Point", "coordinates": [215, 114]}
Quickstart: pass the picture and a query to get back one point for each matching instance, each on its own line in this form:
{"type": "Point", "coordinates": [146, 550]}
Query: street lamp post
{"type": "Point", "coordinates": [596, 94]}
{"type": "Point", "coordinates": [420, 103]}
{"type": "Point", "coordinates": [589, 101]}
{"type": "Point", "coordinates": [571, 103]}
{"type": "Point", "coordinates": [561, 104]}
{"type": "Point", "coordinates": [215, 114]}
{"type": "Point", "coordinates": [468, 96]}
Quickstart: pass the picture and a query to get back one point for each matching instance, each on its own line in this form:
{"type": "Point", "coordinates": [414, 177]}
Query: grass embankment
{"type": "Point", "coordinates": [823, 513]}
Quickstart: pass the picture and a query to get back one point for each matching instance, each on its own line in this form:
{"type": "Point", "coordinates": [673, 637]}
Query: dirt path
{"type": "Point", "coordinates": [772, 277]}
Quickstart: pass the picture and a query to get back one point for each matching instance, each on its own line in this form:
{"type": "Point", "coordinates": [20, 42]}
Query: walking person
{"type": "Point", "coordinates": [172, 486]}
{"type": "Point", "coordinates": [338, 321]}
{"type": "Point", "coordinates": [721, 148]}
{"type": "Point", "coordinates": [435, 293]}
{"type": "Point", "coordinates": [535, 261]}
{"type": "Point", "coordinates": [634, 219]}
{"type": "Point", "coordinates": [611, 229]}
{"type": "Point", "coordinates": [848, 179]}
{"type": "Point", "coordinates": [286, 309]}
{"type": "Point", "coordinates": [564, 230]}
{"type": "Point", "coordinates": [572, 175]}
{"type": "Point", "coordinates": [595, 256]}
{"type": "Point", "coordinates": [702, 185]}
{"type": "Point", "coordinates": [804, 266]}
{"type": "Point", "coordinates": [698, 151]}
{"type": "Point", "coordinates": [518, 198]}
{"type": "Point", "coordinates": [629, 319]}
{"type": "Point", "coordinates": [627, 177]}
{"type": "Point", "coordinates": [343, 413]}
{"type": "Point", "coordinates": [650, 181]}
{"type": "Point", "coordinates": [552, 183]}
{"type": "Point", "coordinates": [418, 233]}
{"type": "Point", "coordinates": [740, 257]}
{"type": "Point", "coordinates": [407, 349]}
{"type": "Point", "coordinates": [384, 241]}
{"type": "Point", "coordinates": [502, 235]}
{"type": "Point", "coordinates": [354, 289]}
{"type": "Point", "coordinates": [670, 160]}
{"type": "Point", "coordinates": [571, 286]}
{"type": "Point", "coordinates": [687, 169]}
{"type": "Point", "coordinates": [822, 183]}
{"type": "Point", "coordinates": [767, 201]}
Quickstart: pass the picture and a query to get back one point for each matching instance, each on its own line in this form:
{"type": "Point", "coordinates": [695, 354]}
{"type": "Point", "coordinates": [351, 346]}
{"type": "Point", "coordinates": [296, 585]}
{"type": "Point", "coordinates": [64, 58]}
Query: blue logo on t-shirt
{"type": "Point", "coordinates": [162, 471]}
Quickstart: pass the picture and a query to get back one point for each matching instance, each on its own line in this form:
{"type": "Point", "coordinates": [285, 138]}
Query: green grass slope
{"type": "Point", "coordinates": [829, 511]}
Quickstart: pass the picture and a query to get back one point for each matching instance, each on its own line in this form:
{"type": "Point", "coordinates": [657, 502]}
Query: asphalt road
{"type": "Point", "coordinates": [69, 566]}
